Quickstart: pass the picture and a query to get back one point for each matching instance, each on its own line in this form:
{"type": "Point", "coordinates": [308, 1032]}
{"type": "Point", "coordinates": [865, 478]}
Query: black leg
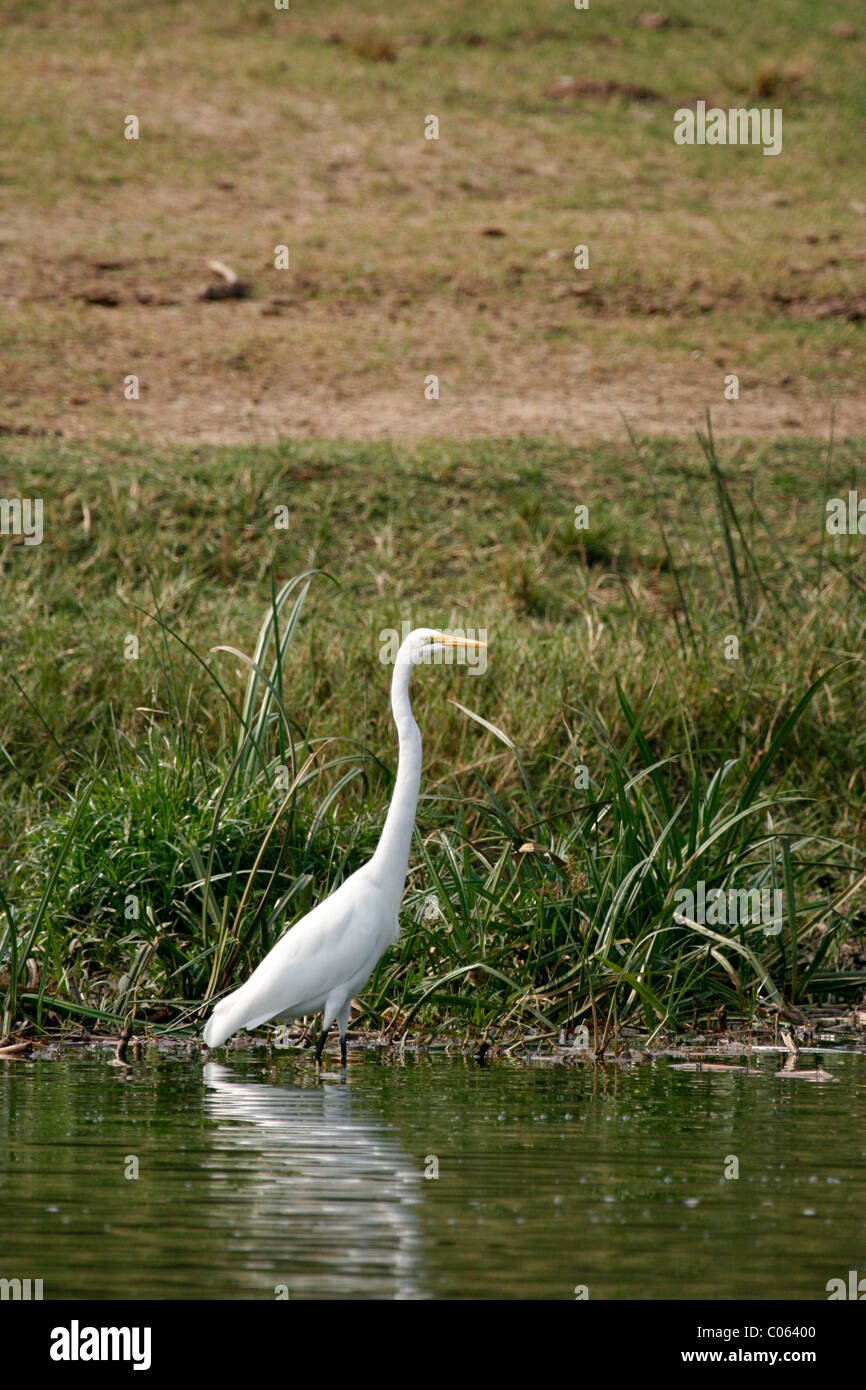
{"type": "Point", "coordinates": [320, 1045]}
{"type": "Point", "coordinates": [343, 1049]}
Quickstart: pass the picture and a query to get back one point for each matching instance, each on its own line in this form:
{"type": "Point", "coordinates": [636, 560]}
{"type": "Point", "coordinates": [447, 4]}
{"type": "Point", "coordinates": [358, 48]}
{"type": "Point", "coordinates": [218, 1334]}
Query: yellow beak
{"type": "Point", "coordinates": [448, 640]}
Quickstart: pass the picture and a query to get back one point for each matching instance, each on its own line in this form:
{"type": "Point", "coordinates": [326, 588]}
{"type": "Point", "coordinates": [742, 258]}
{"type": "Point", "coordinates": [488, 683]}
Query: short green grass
{"type": "Point", "coordinates": [151, 852]}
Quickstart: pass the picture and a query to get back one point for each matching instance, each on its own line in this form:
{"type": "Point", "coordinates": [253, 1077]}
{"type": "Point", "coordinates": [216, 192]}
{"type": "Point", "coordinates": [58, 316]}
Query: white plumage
{"type": "Point", "coordinates": [325, 959]}
{"type": "Point", "coordinates": [319, 964]}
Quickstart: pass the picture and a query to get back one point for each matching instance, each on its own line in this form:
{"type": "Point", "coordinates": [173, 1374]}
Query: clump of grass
{"type": "Point", "coordinates": [778, 79]}
{"type": "Point", "coordinates": [374, 48]}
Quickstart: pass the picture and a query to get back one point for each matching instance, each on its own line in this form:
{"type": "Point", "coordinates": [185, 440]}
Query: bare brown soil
{"type": "Point", "coordinates": [248, 370]}
{"type": "Point", "coordinates": [413, 257]}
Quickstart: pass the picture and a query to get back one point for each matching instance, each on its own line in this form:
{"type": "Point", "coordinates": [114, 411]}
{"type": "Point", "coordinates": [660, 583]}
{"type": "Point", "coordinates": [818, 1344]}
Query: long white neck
{"type": "Point", "coordinates": [391, 859]}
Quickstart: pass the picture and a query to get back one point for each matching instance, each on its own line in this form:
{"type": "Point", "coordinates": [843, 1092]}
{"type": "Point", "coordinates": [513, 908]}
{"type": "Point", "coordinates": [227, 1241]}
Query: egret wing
{"type": "Point", "coordinates": [327, 949]}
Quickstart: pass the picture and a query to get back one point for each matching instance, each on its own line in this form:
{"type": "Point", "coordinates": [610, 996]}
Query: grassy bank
{"type": "Point", "coordinates": [163, 809]}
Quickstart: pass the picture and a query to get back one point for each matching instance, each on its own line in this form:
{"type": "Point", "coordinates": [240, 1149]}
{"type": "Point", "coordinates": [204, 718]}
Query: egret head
{"type": "Point", "coordinates": [428, 644]}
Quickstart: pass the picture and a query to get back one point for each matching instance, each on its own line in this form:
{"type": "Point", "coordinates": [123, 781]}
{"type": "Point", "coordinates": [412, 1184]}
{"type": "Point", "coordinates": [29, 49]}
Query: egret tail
{"type": "Point", "coordinates": [229, 1015]}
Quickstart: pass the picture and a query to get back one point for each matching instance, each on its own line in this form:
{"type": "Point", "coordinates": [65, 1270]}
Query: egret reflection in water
{"type": "Point", "coordinates": [314, 1174]}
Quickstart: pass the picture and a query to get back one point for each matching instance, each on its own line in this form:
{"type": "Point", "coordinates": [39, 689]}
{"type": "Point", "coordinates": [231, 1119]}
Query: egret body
{"type": "Point", "coordinates": [328, 956]}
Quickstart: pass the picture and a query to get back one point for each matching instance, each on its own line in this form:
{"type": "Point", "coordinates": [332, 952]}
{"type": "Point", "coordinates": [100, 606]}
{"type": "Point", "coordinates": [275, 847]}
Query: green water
{"type": "Point", "coordinates": [252, 1177]}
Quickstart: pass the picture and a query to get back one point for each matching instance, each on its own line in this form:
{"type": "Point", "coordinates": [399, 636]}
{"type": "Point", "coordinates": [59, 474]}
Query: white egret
{"type": "Point", "coordinates": [324, 959]}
